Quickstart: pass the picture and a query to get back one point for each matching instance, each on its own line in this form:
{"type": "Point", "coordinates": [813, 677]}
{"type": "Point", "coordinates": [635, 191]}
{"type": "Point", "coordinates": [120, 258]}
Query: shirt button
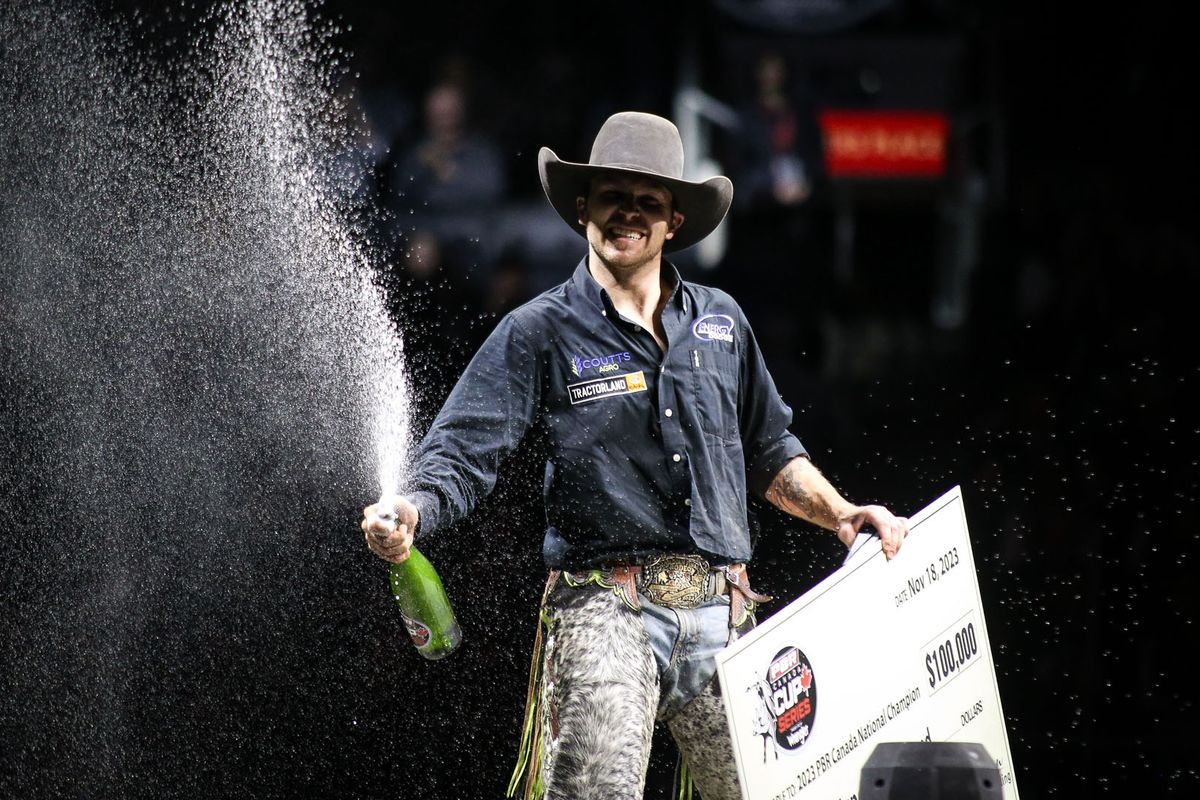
{"type": "Point", "coordinates": [637, 328]}
{"type": "Point", "coordinates": [677, 457]}
{"type": "Point", "coordinates": [668, 412]}
{"type": "Point", "coordinates": [687, 501]}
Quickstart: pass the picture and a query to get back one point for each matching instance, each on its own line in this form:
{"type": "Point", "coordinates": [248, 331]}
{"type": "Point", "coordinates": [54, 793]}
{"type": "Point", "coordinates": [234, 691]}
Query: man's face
{"type": "Point", "coordinates": [628, 219]}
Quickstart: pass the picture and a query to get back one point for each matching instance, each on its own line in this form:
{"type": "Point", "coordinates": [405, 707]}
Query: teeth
{"type": "Point", "coordinates": [627, 234]}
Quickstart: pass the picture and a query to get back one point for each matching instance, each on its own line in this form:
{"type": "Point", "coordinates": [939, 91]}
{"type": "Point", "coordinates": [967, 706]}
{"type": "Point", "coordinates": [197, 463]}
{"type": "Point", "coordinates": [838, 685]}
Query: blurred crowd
{"type": "Point", "coordinates": [470, 236]}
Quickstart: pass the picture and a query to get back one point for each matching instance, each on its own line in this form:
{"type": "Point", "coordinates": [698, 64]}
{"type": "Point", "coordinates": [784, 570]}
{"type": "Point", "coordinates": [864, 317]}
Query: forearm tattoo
{"type": "Point", "coordinates": [789, 493]}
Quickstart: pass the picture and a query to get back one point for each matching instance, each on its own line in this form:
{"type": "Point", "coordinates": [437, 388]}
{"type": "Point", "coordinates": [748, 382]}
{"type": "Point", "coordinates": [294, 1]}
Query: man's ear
{"type": "Point", "coordinates": [676, 221]}
{"type": "Point", "coordinates": [581, 209]}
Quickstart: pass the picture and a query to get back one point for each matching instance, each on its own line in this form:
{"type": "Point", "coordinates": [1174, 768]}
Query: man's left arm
{"type": "Point", "coordinates": [802, 491]}
{"type": "Point", "coordinates": [778, 467]}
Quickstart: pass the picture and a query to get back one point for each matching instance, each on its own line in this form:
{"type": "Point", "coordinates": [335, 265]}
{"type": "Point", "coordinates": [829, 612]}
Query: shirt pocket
{"type": "Point", "coordinates": [715, 383]}
{"type": "Point", "coordinates": [587, 426]}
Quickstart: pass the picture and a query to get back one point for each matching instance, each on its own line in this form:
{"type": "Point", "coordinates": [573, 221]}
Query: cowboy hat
{"type": "Point", "coordinates": [633, 143]}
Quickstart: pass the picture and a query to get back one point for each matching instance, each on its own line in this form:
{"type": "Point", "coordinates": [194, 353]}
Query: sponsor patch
{"type": "Point", "coordinates": [787, 700]}
{"type": "Point", "coordinates": [601, 364]}
{"type": "Point", "coordinates": [601, 388]}
{"type": "Point", "coordinates": [714, 328]}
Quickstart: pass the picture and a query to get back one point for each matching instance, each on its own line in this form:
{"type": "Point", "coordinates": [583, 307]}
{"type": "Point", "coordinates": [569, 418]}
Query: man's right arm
{"type": "Point", "coordinates": [485, 417]}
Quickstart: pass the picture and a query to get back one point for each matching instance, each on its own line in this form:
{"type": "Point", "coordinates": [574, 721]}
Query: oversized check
{"type": "Point", "coordinates": [879, 651]}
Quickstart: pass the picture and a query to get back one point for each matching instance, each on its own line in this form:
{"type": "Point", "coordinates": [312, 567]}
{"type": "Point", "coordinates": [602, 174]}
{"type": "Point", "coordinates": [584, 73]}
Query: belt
{"type": "Point", "coordinates": [683, 581]}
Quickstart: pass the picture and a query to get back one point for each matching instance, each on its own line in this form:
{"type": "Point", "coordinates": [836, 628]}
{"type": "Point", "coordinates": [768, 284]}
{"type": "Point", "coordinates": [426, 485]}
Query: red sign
{"type": "Point", "coordinates": [884, 144]}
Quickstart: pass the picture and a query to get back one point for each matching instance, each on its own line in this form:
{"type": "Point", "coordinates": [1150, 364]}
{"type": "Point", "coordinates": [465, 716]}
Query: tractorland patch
{"type": "Point", "coordinates": [600, 388]}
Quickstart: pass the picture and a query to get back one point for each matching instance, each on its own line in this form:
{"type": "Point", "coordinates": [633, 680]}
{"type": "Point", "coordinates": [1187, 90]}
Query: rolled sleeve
{"type": "Point", "coordinates": [764, 419]}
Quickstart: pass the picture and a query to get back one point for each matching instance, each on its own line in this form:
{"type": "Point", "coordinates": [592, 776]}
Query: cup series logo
{"type": "Point", "coordinates": [787, 701]}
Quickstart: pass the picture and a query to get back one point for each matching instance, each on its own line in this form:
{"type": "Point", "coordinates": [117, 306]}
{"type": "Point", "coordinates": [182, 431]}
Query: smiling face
{"type": "Point", "coordinates": [628, 220]}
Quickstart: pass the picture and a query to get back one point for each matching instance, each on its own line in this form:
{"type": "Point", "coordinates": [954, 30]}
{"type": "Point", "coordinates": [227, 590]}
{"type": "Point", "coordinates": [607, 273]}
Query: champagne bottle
{"type": "Point", "coordinates": [424, 606]}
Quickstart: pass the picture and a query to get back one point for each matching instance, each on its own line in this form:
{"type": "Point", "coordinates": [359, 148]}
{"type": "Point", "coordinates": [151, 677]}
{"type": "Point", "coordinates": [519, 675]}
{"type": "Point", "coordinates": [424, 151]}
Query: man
{"type": "Point", "coordinates": [660, 414]}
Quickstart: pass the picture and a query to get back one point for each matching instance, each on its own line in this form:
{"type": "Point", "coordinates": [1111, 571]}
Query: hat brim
{"type": "Point", "coordinates": [702, 203]}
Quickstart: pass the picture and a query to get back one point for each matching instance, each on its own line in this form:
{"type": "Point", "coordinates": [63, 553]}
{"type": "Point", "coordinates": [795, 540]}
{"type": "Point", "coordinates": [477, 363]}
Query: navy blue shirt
{"type": "Point", "coordinates": [648, 452]}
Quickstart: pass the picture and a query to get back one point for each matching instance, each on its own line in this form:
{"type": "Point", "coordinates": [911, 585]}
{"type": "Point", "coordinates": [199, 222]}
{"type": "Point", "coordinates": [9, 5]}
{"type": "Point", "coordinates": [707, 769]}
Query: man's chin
{"type": "Point", "coordinates": [623, 258]}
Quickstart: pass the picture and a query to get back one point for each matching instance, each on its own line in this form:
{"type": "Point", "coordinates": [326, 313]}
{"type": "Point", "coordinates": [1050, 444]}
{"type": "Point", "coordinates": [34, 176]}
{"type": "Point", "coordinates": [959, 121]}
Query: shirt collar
{"type": "Point", "coordinates": [677, 297]}
{"type": "Point", "coordinates": [583, 282]}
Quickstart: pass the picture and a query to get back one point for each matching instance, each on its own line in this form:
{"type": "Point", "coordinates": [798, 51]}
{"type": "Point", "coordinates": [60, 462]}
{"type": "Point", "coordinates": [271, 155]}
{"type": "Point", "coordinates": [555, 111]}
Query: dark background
{"type": "Point", "coordinates": [1060, 400]}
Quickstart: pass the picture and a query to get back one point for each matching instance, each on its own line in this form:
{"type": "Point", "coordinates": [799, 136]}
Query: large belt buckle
{"type": "Point", "coordinates": [675, 581]}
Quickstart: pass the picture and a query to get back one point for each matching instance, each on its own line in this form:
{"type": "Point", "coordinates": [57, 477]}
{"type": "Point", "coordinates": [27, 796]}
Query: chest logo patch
{"type": "Point", "coordinates": [714, 328]}
{"type": "Point", "coordinates": [600, 388]}
{"type": "Point", "coordinates": [601, 364]}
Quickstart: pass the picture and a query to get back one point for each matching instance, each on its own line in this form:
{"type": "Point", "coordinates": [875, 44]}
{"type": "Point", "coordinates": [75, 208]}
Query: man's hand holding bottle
{"type": "Point", "coordinates": [389, 526]}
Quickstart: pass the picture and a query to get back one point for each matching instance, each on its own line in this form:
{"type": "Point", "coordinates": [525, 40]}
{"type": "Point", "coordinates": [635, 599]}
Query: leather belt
{"type": "Point", "coordinates": [683, 581]}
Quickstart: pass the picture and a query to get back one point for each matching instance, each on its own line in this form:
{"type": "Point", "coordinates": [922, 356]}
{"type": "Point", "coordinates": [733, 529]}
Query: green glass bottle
{"type": "Point", "coordinates": [424, 606]}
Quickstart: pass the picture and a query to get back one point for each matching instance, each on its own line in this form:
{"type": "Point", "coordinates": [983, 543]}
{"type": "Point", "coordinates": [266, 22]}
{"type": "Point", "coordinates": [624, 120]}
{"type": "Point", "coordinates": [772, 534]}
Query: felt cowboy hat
{"type": "Point", "coordinates": [640, 144]}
